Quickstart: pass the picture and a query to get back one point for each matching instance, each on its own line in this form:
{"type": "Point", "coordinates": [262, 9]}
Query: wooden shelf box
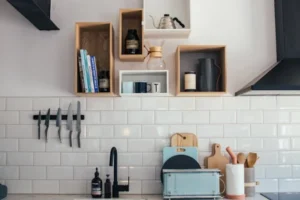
{"type": "Point", "coordinates": [97, 38]}
{"type": "Point", "coordinates": [131, 19]}
{"type": "Point", "coordinates": [176, 8]}
{"type": "Point", "coordinates": [187, 57]}
{"type": "Point", "coordinates": [149, 76]}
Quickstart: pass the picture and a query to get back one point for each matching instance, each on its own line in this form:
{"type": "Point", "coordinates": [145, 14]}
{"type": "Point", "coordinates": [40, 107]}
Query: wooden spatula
{"type": "Point", "coordinates": [251, 159]}
{"type": "Point", "coordinates": [241, 158]}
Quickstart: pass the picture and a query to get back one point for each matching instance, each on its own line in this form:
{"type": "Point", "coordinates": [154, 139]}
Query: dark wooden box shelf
{"type": "Point", "coordinates": [187, 59]}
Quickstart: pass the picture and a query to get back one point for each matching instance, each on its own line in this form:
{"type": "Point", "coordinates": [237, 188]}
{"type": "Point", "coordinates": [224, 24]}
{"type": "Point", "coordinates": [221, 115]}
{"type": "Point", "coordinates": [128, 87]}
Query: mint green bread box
{"type": "Point", "coordinates": [191, 183]}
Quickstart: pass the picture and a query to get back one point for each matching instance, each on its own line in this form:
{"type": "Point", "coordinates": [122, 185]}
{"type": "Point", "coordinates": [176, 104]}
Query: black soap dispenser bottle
{"type": "Point", "coordinates": [96, 186]}
{"type": "Point", "coordinates": [107, 188]}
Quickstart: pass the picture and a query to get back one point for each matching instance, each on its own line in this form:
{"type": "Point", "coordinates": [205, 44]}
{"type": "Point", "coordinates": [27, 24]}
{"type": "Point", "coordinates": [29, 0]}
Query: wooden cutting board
{"type": "Point", "coordinates": [218, 161]}
{"type": "Point", "coordinates": [184, 140]}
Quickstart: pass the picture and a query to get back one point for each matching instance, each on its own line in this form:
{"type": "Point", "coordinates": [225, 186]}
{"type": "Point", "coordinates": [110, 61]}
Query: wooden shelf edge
{"type": "Point", "coordinates": [146, 95]}
{"type": "Point", "coordinates": [201, 94]}
{"type": "Point", "coordinates": [132, 58]}
{"type": "Point", "coordinates": [167, 33]}
{"type": "Point", "coordinates": [108, 94]}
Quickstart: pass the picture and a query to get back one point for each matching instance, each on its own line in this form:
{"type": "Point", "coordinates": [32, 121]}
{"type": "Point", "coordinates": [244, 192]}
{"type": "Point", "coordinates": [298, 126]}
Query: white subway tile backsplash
{"type": "Point", "coordinates": [295, 117]}
{"type": "Point", "coordinates": [236, 103]}
{"type": "Point", "coordinates": [8, 145]}
{"type": "Point", "coordinates": [251, 144]}
{"type": "Point", "coordinates": [2, 131]}
{"type": "Point", "coordinates": [161, 143]}
{"type": "Point", "coordinates": [32, 145]}
{"type": "Point", "coordinates": [209, 103]}
{"type": "Point", "coordinates": [263, 103]}
{"type": "Point", "coordinates": [204, 145]}
{"type": "Point", "coordinates": [260, 171]}
{"type": "Point", "coordinates": [168, 117]}
{"type": "Point", "coordinates": [60, 173]}
{"type": "Point", "coordinates": [152, 159]}
{"type": "Point", "coordinates": [9, 117]}
{"type": "Point", "coordinates": [98, 159]}
{"type": "Point", "coordinates": [19, 186]}
{"type": "Point", "coordinates": [87, 145]}
{"type": "Point", "coordinates": [19, 158]}
{"type": "Point", "coordinates": [45, 103]}
{"type": "Point", "coordinates": [276, 117]}
{"type": "Point", "coordinates": [73, 187]}
{"type": "Point", "coordinates": [157, 103]}
{"type": "Point", "coordinates": [296, 171]}
{"type": "Point", "coordinates": [3, 158]}
{"type": "Point", "coordinates": [210, 131]}
{"type": "Point", "coordinates": [222, 117]}
{"type": "Point", "coordinates": [267, 158]}
{"type": "Point", "coordinates": [127, 131]}
{"type": "Point", "coordinates": [122, 173]}
{"type": "Point", "coordinates": [99, 104]}
{"type": "Point", "coordinates": [53, 145]}
{"type": "Point", "coordinates": [26, 117]}
{"type": "Point", "coordinates": [73, 159]}
{"type": "Point", "coordinates": [279, 171]}
{"type": "Point", "coordinates": [267, 185]}
{"type": "Point", "coordinates": [84, 173]}
{"type": "Point", "coordinates": [182, 129]}
{"type": "Point", "coordinates": [288, 102]}
{"type": "Point", "coordinates": [263, 130]}
{"type": "Point", "coordinates": [2, 103]}
{"type": "Point", "coordinates": [32, 173]}
{"type": "Point", "coordinates": [151, 187]}
{"type": "Point", "coordinates": [113, 117]}
{"type": "Point", "coordinates": [182, 103]}
{"type": "Point", "coordinates": [289, 158]}
{"type": "Point", "coordinates": [130, 159]}
{"type": "Point", "coordinates": [236, 130]}
{"type": "Point", "coordinates": [141, 145]}
{"type": "Point", "coordinates": [45, 187]}
{"type": "Point", "coordinates": [140, 117]}
{"type": "Point", "coordinates": [249, 117]}
{"type": "Point", "coordinates": [224, 142]}
{"type": "Point", "coordinates": [289, 130]}
{"type": "Point", "coordinates": [91, 117]}
{"type": "Point", "coordinates": [107, 144]}
{"type": "Point", "coordinates": [276, 144]}
{"type": "Point", "coordinates": [142, 173]}
{"type": "Point", "coordinates": [46, 159]}
{"type": "Point", "coordinates": [296, 143]}
{"type": "Point", "coordinates": [19, 131]}
{"type": "Point", "coordinates": [135, 187]}
{"type": "Point", "coordinates": [9, 172]}
{"type": "Point", "coordinates": [195, 117]}
{"type": "Point", "coordinates": [289, 185]}
{"type": "Point", "coordinates": [155, 131]}
{"type": "Point", "coordinates": [65, 102]}
{"type": "Point", "coordinates": [129, 103]}
{"type": "Point", "coordinates": [100, 131]}
{"type": "Point", "coordinates": [18, 104]}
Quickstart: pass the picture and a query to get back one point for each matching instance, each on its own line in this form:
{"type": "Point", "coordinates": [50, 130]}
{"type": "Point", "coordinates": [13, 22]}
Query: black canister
{"type": "Point", "coordinates": [132, 42]}
{"type": "Point", "coordinates": [209, 74]}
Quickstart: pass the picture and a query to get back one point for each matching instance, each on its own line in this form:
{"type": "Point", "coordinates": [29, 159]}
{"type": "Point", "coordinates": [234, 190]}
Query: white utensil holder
{"type": "Point", "coordinates": [235, 181]}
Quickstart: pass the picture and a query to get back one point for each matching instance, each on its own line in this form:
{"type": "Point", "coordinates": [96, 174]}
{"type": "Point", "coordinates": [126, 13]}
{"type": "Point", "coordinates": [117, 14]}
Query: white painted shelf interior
{"type": "Point", "coordinates": [149, 76]}
{"type": "Point", "coordinates": [176, 8]}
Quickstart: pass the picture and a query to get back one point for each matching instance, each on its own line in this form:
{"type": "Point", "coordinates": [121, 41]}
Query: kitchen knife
{"type": "Point", "coordinates": [47, 124]}
{"type": "Point", "coordinates": [58, 123]}
{"type": "Point", "coordinates": [39, 125]}
{"type": "Point", "coordinates": [69, 123]}
{"type": "Point", "coordinates": [78, 123]}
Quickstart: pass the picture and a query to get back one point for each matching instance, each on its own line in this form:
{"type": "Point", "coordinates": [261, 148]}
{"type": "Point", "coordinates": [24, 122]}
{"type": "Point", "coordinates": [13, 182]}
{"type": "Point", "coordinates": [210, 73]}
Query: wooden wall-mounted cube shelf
{"type": "Point", "coordinates": [187, 57]}
{"type": "Point", "coordinates": [97, 38]}
{"type": "Point", "coordinates": [131, 19]}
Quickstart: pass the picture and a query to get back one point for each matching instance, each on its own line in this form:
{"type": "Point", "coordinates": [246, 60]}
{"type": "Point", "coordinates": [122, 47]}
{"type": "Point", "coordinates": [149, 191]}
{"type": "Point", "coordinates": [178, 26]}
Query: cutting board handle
{"type": "Point", "coordinates": [217, 149]}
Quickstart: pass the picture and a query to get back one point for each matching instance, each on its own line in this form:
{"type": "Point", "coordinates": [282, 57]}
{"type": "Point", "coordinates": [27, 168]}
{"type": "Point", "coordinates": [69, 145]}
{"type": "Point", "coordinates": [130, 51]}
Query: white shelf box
{"type": "Point", "coordinates": [149, 76]}
{"type": "Point", "coordinates": [176, 8]}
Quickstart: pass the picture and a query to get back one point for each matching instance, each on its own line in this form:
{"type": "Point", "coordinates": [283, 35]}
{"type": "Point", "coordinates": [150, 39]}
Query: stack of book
{"type": "Point", "coordinates": [88, 72]}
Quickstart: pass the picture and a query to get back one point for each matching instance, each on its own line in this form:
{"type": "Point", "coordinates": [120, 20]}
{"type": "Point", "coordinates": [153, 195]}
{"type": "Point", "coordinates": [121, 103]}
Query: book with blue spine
{"type": "Point", "coordinates": [86, 66]}
{"type": "Point", "coordinates": [83, 70]}
{"type": "Point", "coordinates": [91, 74]}
{"type": "Point", "coordinates": [95, 73]}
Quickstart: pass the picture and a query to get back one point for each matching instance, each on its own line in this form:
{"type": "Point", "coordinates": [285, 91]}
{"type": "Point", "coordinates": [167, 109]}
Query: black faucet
{"type": "Point", "coordinates": [116, 188]}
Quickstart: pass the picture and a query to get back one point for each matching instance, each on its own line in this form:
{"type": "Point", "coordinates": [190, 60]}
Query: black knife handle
{"type": "Point", "coordinates": [46, 134]}
{"type": "Point", "coordinates": [59, 135]}
{"type": "Point", "coordinates": [39, 132]}
{"type": "Point", "coordinates": [70, 137]}
{"type": "Point", "coordinates": [78, 139]}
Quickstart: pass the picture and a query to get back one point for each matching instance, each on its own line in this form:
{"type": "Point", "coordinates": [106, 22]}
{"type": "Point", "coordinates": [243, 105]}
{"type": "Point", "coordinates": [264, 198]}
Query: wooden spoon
{"type": "Point", "coordinates": [241, 158]}
{"type": "Point", "coordinates": [251, 159]}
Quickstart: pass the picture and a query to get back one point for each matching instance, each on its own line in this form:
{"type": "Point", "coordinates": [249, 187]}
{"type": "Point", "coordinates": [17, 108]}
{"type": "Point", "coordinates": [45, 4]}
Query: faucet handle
{"type": "Point", "coordinates": [124, 188]}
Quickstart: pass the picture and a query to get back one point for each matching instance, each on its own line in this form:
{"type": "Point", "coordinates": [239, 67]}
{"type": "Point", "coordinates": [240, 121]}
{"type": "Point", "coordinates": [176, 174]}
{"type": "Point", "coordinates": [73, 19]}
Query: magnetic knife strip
{"type": "Point", "coordinates": [53, 117]}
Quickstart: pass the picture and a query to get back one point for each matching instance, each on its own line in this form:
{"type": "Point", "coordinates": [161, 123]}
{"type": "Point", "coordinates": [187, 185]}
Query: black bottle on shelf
{"type": "Point", "coordinates": [104, 81]}
{"type": "Point", "coordinates": [96, 186]}
{"type": "Point", "coordinates": [107, 188]}
{"type": "Point", "coordinates": [132, 42]}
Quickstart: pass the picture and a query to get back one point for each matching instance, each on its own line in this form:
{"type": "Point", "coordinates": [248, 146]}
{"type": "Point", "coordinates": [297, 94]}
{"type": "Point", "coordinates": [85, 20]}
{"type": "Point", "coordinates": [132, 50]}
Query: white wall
{"type": "Point", "coordinates": [35, 63]}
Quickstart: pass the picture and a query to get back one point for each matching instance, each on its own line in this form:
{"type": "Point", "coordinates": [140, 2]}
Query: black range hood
{"type": "Point", "coordinates": [37, 12]}
{"type": "Point", "coordinates": [283, 78]}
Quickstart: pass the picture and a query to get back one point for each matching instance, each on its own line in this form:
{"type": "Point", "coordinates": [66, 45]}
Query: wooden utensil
{"type": "Point", "coordinates": [232, 155]}
{"type": "Point", "coordinates": [241, 158]}
{"type": "Point", "coordinates": [184, 140]}
{"type": "Point", "coordinates": [218, 161]}
{"type": "Point", "coordinates": [251, 159]}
